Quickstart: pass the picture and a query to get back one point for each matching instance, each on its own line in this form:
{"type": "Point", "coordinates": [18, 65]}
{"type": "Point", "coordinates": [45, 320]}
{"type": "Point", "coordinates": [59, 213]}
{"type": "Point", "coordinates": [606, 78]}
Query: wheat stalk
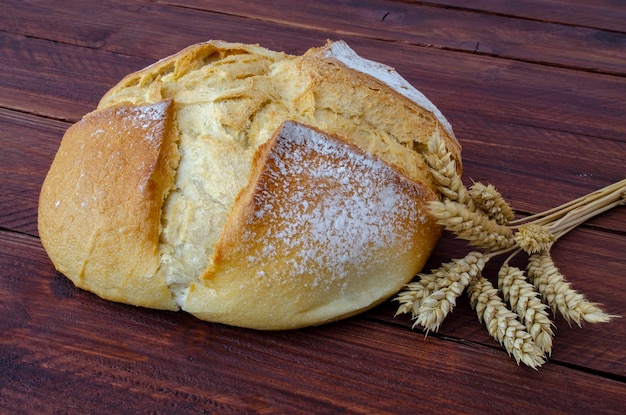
{"type": "Point", "coordinates": [446, 277]}
{"type": "Point", "coordinates": [438, 304]}
{"type": "Point", "coordinates": [473, 226]}
{"type": "Point", "coordinates": [484, 219]}
{"type": "Point", "coordinates": [411, 298]}
{"type": "Point", "coordinates": [414, 292]}
{"type": "Point", "coordinates": [532, 237]}
{"type": "Point", "coordinates": [443, 169]}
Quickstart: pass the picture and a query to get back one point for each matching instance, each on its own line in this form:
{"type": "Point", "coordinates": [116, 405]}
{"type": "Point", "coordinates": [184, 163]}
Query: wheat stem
{"type": "Point", "coordinates": [615, 191]}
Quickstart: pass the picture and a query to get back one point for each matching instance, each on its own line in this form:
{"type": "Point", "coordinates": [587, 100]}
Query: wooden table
{"type": "Point", "coordinates": [536, 92]}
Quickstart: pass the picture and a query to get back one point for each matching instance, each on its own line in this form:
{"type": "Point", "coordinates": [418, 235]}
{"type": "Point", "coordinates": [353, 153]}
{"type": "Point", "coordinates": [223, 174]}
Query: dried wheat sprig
{"type": "Point", "coordinates": [483, 218]}
{"type": "Point", "coordinates": [411, 297]}
{"type": "Point", "coordinates": [473, 226]}
{"type": "Point", "coordinates": [614, 194]}
{"type": "Point", "coordinates": [526, 303]}
{"type": "Point", "coordinates": [502, 324]}
{"type": "Point", "coordinates": [490, 201]}
{"type": "Point", "coordinates": [559, 294]}
{"type": "Point", "coordinates": [438, 304]}
{"type": "Point", "coordinates": [443, 169]}
{"type": "Point", "coordinates": [534, 238]}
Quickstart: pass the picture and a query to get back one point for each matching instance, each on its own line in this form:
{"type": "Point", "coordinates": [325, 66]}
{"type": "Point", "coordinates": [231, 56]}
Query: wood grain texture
{"type": "Point", "coordinates": [462, 29]}
{"type": "Point", "coordinates": [534, 90]}
{"type": "Point", "coordinates": [602, 14]}
{"type": "Point", "coordinates": [168, 362]}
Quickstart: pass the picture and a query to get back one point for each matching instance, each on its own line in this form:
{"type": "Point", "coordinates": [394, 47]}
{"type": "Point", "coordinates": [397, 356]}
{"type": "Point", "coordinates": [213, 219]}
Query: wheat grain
{"type": "Point", "coordinates": [444, 170]}
{"type": "Point", "coordinates": [559, 294]}
{"type": "Point", "coordinates": [533, 238]}
{"type": "Point", "coordinates": [526, 303]}
{"type": "Point", "coordinates": [411, 297]}
{"type": "Point", "coordinates": [439, 303]}
{"type": "Point", "coordinates": [473, 226]}
{"type": "Point", "coordinates": [490, 201]}
{"type": "Point", "coordinates": [502, 324]}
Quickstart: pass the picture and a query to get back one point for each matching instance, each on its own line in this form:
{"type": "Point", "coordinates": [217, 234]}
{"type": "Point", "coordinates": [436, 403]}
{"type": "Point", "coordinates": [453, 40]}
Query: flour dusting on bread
{"type": "Point", "coordinates": [335, 206]}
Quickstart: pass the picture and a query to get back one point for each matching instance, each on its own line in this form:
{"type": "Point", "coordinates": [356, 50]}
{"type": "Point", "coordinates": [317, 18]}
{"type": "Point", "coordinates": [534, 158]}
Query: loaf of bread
{"type": "Point", "coordinates": [248, 187]}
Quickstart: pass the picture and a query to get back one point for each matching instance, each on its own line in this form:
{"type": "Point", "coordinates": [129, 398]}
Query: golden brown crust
{"type": "Point", "coordinates": [146, 86]}
{"type": "Point", "coordinates": [100, 205]}
{"type": "Point", "coordinates": [323, 230]}
{"type": "Point", "coordinates": [369, 103]}
{"type": "Point", "coordinates": [323, 88]}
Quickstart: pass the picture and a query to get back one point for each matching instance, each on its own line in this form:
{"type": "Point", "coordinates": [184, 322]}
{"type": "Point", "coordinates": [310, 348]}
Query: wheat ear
{"type": "Point", "coordinates": [526, 303]}
{"type": "Point", "coordinates": [473, 226]}
{"type": "Point", "coordinates": [411, 297]}
{"type": "Point", "coordinates": [533, 238]}
{"type": "Point", "coordinates": [443, 169]}
{"type": "Point", "coordinates": [481, 216]}
{"type": "Point", "coordinates": [502, 324]}
{"type": "Point", "coordinates": [489, 200]}
{"type": "Point", "coordinates": [559, 294]}
{"type": "Point", "coordinates": [439, 303]}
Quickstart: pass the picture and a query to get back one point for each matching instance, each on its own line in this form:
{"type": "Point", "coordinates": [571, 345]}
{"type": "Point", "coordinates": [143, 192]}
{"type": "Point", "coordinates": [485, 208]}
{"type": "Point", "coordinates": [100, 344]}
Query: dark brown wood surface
{"type": "Point", "coordinates": [536, 93]}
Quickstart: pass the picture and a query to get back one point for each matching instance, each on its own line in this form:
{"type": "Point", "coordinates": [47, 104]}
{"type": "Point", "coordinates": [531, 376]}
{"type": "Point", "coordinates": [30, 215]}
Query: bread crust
{"type": "Point", "coordinates": [100, 205]}
{"type": "Point", "coordinates": [322, 231]}
{"type": "Point", "coordinates": [331, 88]}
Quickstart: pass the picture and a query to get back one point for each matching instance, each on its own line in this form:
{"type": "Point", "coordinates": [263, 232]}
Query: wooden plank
{"type": "Point", "coordinates": [28, 147]}
{"type": "Point", "coordinates": [542, 134]}
{"type": "Point", "coordinates": [56, 80]}
{"type": "Point", "coordinates": [600, 14]}
{"type": "Point", "coordinates": [70, 349]}
{"type": "Point", "coordinates": [113, 27]}
{"type": "Point", "coordinates": [529, 158]}
{"type": "Point", "coordinates": [525, 91]}
{"type": "Point", "coordinates": [535, 169]}
{"type": "Point", "coordinates": [538, 169]}
{"type": "Point", "coordinates": [521, 39]}
{"type": "Point", "coordinates": [37, 143]}
{"type": "Point", "coordinates": [462, 30]}
{"type": "Point", "coordinates": [514, 92]}
{"type": "Point", "coordinates": [554, 99]}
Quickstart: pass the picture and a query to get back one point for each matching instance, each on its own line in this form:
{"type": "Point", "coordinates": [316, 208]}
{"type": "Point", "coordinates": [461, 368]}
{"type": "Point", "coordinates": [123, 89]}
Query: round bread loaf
{"type": "Point", "coordinates": [248, 187]}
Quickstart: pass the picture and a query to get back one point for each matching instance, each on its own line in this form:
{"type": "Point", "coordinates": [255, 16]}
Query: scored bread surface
{"type": "Point", "coordinates": [100, 204]}
{"type": "Point", "coordinates": [225, 103]}
{"type": "Point", "coordinates": [322, 229]}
